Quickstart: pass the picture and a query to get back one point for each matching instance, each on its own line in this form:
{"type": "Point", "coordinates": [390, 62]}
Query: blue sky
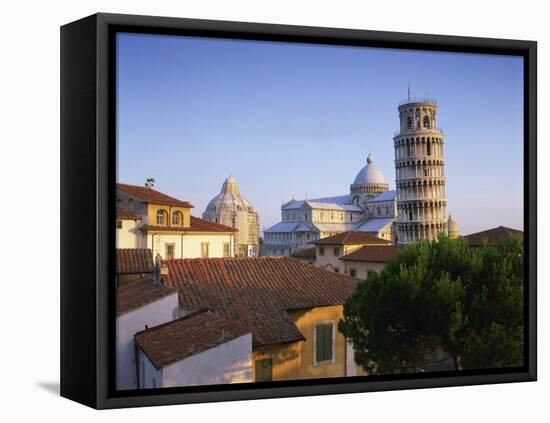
{"type": "Point", "coordinates": [297, 119]}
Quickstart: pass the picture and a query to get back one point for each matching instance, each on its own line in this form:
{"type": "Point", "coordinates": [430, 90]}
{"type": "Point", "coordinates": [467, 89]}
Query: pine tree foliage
{"type": "Point", "coordinates": [440, 297]}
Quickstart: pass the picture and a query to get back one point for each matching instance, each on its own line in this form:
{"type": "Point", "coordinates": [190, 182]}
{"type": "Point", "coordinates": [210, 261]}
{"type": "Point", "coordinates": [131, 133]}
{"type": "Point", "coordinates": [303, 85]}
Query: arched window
{"type": "Point", "coordinates": [177, 218]}
{"type": "Point", "coordinates": [130, 204]}
{"type": "Point", "coordinates": [161, 217]}
{"type": "Point", "coordinates": [409, 122]}
{"type": "Point", "coordinates": [429, 148]}
{"type": "Point", "coordinates": [426, 122]}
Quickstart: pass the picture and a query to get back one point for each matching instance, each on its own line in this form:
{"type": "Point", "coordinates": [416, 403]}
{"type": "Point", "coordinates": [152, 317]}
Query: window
{"type": "Point", "coordinates": [130, 204]}
{"type": "Point", "coordinates": [429, 148]}
{"type": "Point", "coordinates": [161, 217]}
{"type": "Point", "coordinates": [205, 247]}
{"type": "Point", "coordinates": [370, 273]}
{"type": "Point", "coordinates": [321, 251]}
{"type": "Point", "coordinates": [337, 251]}
{"type": "Point", "coordinates": [323, 342]}
{"type": "Point", "coordinates": [353, 272]}
{"type": "Point", "coordinates": [170, 249]}
{"type": "Point", "coordinates": [409, 122]}
{"type": "Point", "coordinates": [264, 370]}
{"type": "Point", "coordinates": [119, 224]}
{"type": "Point", "coordinates": [226, 249]}
{"type": "Point", "coordinates": [337, 269]}
{"type": "Point", "coordinates": [177, 218]}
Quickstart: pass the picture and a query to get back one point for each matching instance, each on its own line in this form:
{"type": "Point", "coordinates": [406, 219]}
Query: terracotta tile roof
{"type": "Point", "coordinates": [181, 338]}
{"type": "Point", "coordinates": [123, 214]}
{"type": "Point", "coordinates": [373, 253]}
{"type": "Point", "coordinates": [150, 195]}
{"type": "Point", "coordinates": [197, 225]}
{"type": "Point", "coordinates": [258, 291]}
{"type": "Point", "coordinates": [139, 293]}
{"type": "Point", "coordinates": [307, 253]}
{"type": "Point", "coordinates": [200, 225]}
{"type": "Point", "coordinates": [493, 235]}
{"type": "Point", "coordinates": [134, 260]}
{"type": "Point", "coordinates": [351, 238]}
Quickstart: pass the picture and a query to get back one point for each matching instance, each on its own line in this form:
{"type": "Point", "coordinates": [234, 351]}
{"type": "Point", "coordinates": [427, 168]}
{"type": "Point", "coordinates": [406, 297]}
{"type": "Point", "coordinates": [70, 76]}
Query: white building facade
{"type": "Point", "coordinates": [160, 308]}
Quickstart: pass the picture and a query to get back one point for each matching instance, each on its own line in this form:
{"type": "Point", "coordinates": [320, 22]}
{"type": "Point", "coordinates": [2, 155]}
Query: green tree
{"type": "Point", "coordinates": [440, 297]}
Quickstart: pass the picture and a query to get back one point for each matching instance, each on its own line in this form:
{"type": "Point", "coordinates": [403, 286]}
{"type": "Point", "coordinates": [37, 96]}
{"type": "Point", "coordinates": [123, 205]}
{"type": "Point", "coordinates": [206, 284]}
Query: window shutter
{"type": "Point", "coordinates": [324, 342]}
{"type": "Point", "coordinates": [264, 370]}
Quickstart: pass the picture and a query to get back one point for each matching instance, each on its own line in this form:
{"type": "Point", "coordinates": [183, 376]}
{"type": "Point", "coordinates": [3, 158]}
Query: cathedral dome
{"type": "Point", "coordinates": [369, 174]}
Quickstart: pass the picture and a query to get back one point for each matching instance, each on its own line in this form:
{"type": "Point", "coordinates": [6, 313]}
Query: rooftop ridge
{"type": "Point", "coordinates": [187, 316]}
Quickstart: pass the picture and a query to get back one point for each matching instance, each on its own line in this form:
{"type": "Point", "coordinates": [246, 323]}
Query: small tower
{"type": "Point", "coordinates": [419, 173]}
{"type": "Point", "coordinates": [454, 230]}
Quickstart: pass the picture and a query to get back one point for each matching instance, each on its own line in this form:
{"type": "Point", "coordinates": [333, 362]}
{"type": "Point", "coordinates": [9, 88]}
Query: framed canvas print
{"type": "Point", "coordinates": [258, 211]}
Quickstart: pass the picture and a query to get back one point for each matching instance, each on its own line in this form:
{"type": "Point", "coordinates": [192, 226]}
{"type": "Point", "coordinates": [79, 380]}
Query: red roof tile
{"type": "Point", "coordinates": [493, 235]}
{"type": "Point", "coordinates": [123, 214]}
{"type": "Point", "coordinates": [139, 293]}
{"type": "Point", "coordinates": [374, 253]}
{"type": "Point", "coordinates": [258, 291]}
{"type": "Point", "coordinates": [351, 238]}
{"type": "Point", "coordinates": [150, 195]}
{"type": "Point", "coordinates": [181, 338]}
{"type": "Point", "coordinates": [134, 260]}
{"type": "Point", "coordinates": [197, 225]}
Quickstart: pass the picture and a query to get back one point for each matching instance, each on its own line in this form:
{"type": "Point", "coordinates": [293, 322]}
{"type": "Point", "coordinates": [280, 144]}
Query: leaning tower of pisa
{"type": "Point", "coordinates": [420, 172]}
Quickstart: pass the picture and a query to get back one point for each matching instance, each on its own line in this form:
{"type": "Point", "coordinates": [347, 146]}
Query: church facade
{"type": "Point", "coordinates": [415, 211]}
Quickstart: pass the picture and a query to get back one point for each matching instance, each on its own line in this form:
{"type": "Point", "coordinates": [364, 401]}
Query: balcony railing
{"type": "Point", "coordinates": [418, 100]}
{"type": "Point", "coordinates": [417, 130]}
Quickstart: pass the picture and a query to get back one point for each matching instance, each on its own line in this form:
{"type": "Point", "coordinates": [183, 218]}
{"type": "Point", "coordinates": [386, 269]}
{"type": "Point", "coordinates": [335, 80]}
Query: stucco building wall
{"type": "Point", "coordinates": [188, 245]}
{"type": "Point", "coordinates": [230, 362]}
{"type": "Point", "coordinates": [362, 268]}
{"type": "Point", "coordinates": [127, 325]}
{"type": "Point", "coordinates": [296, 360]}
{"type": "Point", "coordinates": [128, 235]}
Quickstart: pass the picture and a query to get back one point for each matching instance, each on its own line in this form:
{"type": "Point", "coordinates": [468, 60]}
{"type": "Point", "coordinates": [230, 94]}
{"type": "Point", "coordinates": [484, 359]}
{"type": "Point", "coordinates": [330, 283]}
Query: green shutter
{"type": "Point", "coordinates": [263, 370]}
{"type": "Point", "coordinates": [324, 342]}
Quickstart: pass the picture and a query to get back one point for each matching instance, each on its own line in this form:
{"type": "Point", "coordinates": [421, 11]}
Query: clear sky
{"type": "Point", "coordinates": [298, 119]}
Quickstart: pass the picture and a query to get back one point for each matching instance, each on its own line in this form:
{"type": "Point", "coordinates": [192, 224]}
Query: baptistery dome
{"type": "Point", "coordinates": [230, 208]}
{"type": "Point", "coordinates": [229, 198]}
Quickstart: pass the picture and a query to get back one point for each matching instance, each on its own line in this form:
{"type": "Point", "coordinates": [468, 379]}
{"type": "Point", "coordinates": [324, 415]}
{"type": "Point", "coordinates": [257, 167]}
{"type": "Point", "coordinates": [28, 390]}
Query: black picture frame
{"type": "Point", "coordinates": [88, 208]}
